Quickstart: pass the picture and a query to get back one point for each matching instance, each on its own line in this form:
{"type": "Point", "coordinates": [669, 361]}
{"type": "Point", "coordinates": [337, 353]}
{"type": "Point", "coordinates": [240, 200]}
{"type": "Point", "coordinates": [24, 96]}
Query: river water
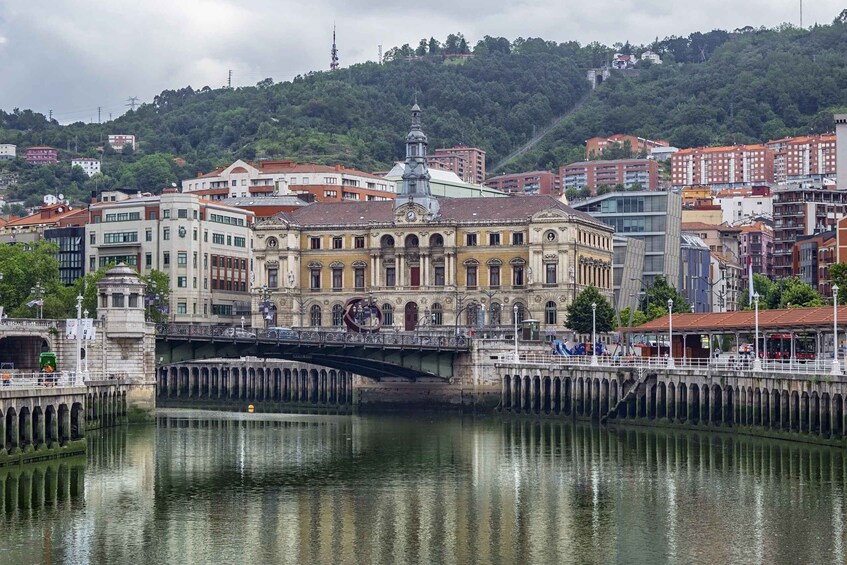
{"type": "Point", "coordinates": [214, 487]}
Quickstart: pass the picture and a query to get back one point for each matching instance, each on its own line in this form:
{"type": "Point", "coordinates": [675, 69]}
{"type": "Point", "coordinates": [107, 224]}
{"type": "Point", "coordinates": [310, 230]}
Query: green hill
{"type": "Point", "coordinates": [713, 88]}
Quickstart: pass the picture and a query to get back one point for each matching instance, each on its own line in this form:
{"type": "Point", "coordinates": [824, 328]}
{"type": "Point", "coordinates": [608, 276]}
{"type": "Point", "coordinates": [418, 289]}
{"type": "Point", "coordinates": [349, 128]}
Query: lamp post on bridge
{"type": "Point", "coordinates": [594, 362]}
{"type": "Point", "coordinates": [757, 363]}
{"type": "Point", "coordinates": [836, 367]}
{"type": "Point", "coordinates": [85, 316]}
{"type": "Point", "coordinates": [78, 336]}
{"type": "Point", "coordinates": [515, 318]}
{"type": "Point", "coordinates": [671, 364]}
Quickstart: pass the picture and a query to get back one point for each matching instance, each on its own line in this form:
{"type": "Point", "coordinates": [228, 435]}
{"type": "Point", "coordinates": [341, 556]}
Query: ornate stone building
{"type": "Point", "coordinates": [421, 262]}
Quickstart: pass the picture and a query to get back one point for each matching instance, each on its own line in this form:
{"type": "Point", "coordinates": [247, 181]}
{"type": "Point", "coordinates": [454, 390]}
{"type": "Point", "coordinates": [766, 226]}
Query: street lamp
{"type": "Point", "coordinates": [515, 316]}
{"type": "Point", "coordinates": [78, 335]}
{"type": "Point", "coordinates": [757, 363]}
{"type": "Point", "coordinates": [242, 323]}
{"type": "Point", "coordinates": [594, 334]}
{"type": "Point", "coordinates": [38, 292]}
{"type": "Point", "coordinates": [671, 364]}
{"type": "Point", "coordinates": [85, 315]}
{"type": "Point", "coordinates": [1, 305]}
{"type": "Point", "coordinates": [836, 368]}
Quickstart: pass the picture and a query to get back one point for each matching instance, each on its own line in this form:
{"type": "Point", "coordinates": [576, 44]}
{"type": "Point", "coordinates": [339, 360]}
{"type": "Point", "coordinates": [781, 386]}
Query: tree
{"type": "Point", "coordinates": [793, 292]}
{"type": "Point", "coordinates": [658, 295]}
{"type": "Point", "coordinates": [838, 276]}
{"type": "Point", "coordinates": [434, 46]}
{"type": "Point", "coordinates": [157, 292]}
{"type": "Point", "coordinates": [421, 49]}
{"type": "Point", "coordinates": [580, 312]}
{"type": "Point", "coordinates": [638, 318]}
{"type": "Point", "coordinates": [761, 285]}
{"type": "Point", "coordinates": [25, 267]}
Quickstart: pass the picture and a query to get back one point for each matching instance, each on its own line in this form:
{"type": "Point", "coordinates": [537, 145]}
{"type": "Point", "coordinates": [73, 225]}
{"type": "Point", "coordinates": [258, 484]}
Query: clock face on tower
{"type": "Point", "coordinates": [411, 216]}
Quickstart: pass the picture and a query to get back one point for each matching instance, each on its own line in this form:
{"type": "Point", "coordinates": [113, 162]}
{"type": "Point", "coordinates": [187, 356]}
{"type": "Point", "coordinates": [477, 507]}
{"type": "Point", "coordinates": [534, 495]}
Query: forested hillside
{"type": "Point", "coordinates": [713, 88]}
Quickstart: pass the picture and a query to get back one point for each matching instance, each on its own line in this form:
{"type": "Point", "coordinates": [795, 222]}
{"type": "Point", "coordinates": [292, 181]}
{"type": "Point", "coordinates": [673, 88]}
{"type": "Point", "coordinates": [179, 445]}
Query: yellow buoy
{"type": "Point", "coordinates": [250, 408]}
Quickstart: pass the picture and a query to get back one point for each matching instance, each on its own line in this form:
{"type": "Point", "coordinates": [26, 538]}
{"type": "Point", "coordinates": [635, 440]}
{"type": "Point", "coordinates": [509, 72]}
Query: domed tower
{"type": "Point", "coordinates": [415, 196]}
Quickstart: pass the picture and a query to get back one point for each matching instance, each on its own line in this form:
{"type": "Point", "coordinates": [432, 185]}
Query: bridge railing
{"type": "Point", "coordinates": [816, 367]}
{"type": "Point", "coordinates": [11, 380]}
{"type": "Point", "coordinates": [27, 324]}
{"type": "Point", "coordinates": [416, 339]}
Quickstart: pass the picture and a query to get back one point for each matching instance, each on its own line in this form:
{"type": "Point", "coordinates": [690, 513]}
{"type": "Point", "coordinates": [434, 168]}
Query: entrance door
{"type": "Point", "coordinates": [411, 316]}
{"type": "Point", "coordinates": [415, 276]}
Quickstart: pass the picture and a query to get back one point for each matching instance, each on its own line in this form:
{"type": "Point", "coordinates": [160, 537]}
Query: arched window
{"type": "Point", "coordinates": [412, 241]}
{"type": "Point", "coordinates": [520, 314]}
{"type": "Point", "coordinates": [437, 314]}
{"type": "Point", "coordinates": [386, 241]}
{"type": "Point", "coordinates": [387, 314]}
{"type": "Point", "coordinates": [436, 240]}
{"type": "Point", "coordinates": [473, 313]}
{"type": "Point", "coordinates": [337, 315]}
{"type": "Point", "coordinates": [315, 315]}
{"type": "Point", "coordinates": [550, 313]}
{"type": "Point", "coordinates": [494, 314]}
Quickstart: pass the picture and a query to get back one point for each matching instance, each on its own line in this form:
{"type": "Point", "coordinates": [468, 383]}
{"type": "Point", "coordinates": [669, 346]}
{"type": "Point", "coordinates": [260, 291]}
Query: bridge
{"type": "Point", "coordinates": [409, 355]}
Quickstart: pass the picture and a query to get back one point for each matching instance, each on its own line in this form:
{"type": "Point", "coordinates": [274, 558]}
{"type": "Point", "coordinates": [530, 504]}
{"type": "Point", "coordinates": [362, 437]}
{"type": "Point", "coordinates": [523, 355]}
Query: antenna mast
{"type": "Point", "coordinates": [132, 102]}
{"type": "Point", "coordinates": [333, 65]}
{"type": "Point", "coordinates": [801, 14]}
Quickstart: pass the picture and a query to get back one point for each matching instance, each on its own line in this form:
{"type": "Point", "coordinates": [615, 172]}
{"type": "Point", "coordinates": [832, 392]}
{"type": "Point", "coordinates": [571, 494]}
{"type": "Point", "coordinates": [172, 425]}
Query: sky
{"type": "Point", "coordinates": [73, 56]}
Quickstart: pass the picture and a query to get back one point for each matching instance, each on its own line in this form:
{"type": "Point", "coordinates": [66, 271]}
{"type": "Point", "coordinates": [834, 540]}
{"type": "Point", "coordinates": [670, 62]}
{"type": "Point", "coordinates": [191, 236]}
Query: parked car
{"type": "Point", "coordinates": [280, 332]}
{"type": "Point", "coordinates": [238, 332]}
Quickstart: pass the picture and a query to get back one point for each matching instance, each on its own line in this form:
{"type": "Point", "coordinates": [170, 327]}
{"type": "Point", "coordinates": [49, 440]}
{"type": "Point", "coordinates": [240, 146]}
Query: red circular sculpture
{"type": "Point", "coordinates": [362, 315]}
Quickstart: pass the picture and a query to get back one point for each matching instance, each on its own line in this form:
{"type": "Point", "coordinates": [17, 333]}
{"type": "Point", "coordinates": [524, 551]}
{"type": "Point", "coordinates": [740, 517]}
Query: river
{"type": "Point", "coordinates": [216, 487]}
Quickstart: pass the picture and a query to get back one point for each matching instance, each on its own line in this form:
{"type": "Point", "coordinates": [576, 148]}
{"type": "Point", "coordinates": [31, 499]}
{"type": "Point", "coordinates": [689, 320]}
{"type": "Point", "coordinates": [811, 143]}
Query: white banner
{"type": "Point", "coordinates": [70, 329]}
{"type": "Point", "coordinates": [86, 326]}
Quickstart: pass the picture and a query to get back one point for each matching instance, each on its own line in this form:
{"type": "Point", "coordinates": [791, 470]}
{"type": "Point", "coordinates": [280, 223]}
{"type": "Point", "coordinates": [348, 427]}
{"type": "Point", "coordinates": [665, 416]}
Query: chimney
{"type": "Point", "coordinates": [841, 151]}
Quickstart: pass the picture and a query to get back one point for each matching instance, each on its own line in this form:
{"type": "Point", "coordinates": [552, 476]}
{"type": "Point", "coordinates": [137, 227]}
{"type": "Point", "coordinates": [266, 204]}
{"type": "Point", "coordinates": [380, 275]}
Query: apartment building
{"type": "Point", "coordinates": [756, 249]}
{"type": "Point", "coordinates": [798, 158]}
{"type": "Point", "coordinates": [533, 182]}
{"type": "Point", "coordinates": [8, 151]}
{"type": "Point", "coordinates": [42, 155]}
{"type": "Point", "coordinates": [203, 246]}
{"type": "Point", "coordinates": [811, 257]}
{"type": "Point", "coordinates": [117, 141]}
{"type": "Point", "coordinates": [730, 166]}
{"type": "Point", "coordinates": [325, 183]}
{"type": "Point", "coordinates": [639, 146]}
{"type": "Point", "coordinates": [801, 209]}
{"type": "Point", "coordinates": [743, 205]}
{"type": "Point", "coordinates": [87, 164]}
{"type": "Point", "coordinates": [467, 162]}
{"type": "Point", "coordinates": [629, 173]}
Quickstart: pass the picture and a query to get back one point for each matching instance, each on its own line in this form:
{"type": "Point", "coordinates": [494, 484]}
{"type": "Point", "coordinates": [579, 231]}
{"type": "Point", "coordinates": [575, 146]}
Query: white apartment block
{"type": "Point", "coordinates": [204, 247]}
{"type": "Point", "coordinates": [241, 179]}
{"type": "Point", "coordinates": [87, 164]}
{"type": "Point", "coordinates": [8, 151]}
{"type": "Point", "coordinates": [738, 209]}
{"type": "Point", "coordinates": [118, 140]}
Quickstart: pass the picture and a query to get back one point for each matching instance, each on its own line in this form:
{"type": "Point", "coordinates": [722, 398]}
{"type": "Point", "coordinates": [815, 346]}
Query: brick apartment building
{"type": "Point", "coordinates": [41, 155]}
{"type": "Point", "coordinates": [803, 157]}
{"type": "Point", "coordinates": [756, 249]}
{"type": "Point", "coordinates": [736, 165]}
{"type": "Point", "coordinates": [595, 146]}
{"type": "Point", "coordinates": [626, 172]}
{"type": "Point", "coordinates": [533, 182]}
{"type": "Point", "coordinates": [811, 257]}
{"type": "Point", "coordinates": [467, 162]}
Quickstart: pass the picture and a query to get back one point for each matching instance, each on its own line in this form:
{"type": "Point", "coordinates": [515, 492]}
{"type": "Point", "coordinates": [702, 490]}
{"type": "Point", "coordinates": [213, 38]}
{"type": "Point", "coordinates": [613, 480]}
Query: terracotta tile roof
{"type": "Point", "coordinates": [757, 227]}
{"type": "Point", "coordinates": [37, 219]}
{"type": "Point", "coordinates": [819, 318]}
{"type": "Point", "coordinates": [696, 226]}
{"type": "Point", "coordinates": [451, 210]}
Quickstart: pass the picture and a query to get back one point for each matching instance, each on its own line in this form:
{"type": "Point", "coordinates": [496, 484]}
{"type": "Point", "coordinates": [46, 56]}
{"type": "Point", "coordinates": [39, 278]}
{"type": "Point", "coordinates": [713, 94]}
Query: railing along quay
{"type": "Point", "coordinates": [819, 367]}
{"type": "Point", "coordinates": [420, 339]}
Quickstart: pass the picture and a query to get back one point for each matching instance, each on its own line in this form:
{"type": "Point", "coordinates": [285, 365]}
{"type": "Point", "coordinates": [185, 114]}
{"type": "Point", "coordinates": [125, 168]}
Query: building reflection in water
{"type": "Point", "coordinates": [298, 489]}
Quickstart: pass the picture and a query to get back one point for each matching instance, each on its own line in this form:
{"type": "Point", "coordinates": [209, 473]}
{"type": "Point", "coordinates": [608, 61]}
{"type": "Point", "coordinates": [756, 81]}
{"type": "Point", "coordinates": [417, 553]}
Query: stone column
{"type": "Point", "coordinates": [39, 431]}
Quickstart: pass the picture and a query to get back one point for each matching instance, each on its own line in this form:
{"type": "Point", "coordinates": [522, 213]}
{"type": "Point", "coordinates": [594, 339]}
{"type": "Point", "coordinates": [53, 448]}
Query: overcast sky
{"type": "Point", "coordinates": [72, 56]}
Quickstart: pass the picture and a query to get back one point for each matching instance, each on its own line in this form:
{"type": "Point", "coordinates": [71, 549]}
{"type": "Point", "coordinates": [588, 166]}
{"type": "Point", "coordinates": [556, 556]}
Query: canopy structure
{"type": "Point", "coordinates": [791, 319]}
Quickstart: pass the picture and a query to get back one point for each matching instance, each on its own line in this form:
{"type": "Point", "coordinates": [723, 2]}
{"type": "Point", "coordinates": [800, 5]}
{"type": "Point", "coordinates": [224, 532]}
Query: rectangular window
{"type": "Point", "coordinates": [337, 278]}
{"type": "Point", "coordinates": [133, 300]}
{"type": "Point", "coordinates": [550, 273]}
{"type": "Point", "coordinates": [273, 278]}
{"type": "Point", "coordinates": [205, 260]}
{"type": "Point", "coordinates": [148, 235]}
{"type": "Point", "coordinates": [494, 276]}
{"type": "Point", "coordinates": [92, 264]}
{"type": "Point", "coordinates": [218, 238]}
{"type": "Point", "coordinates": [494, 239]}
{"type": "Point", "coordinates": [166, 258]}
{"type": "Point", "coordinates": [195, 234]}
{"type": "Point", "coordinates": [517, 275]}
{"type": "Point", "coordinates": [182, 282]}
{"type": "Point", "coordinates": [229, 240]}
{"type": "Point", "coordinates": [182, 308]}
{"type": "Point", "coordinates": [517, 238]}
{"type": "Point", "coordinates": [470, 239]}
{"type": "Point", "coordinates": [390, 276]}
{"type": "Point", "coordinates": [471, 276]}
{"type": "Point", "coordinates": [336, 242]}
{"type": "Point", "coordinates": [359, 278]}
{"type": "Point", "coordinates": [315, 243]}
{"type": "Point", "coordinates": [166, 234]}
{"type": "Point", "coordinates": [92, 238]}
{"type": "Point", "coordinates": [182, 259]}
{"type": "Point", "coordinates": [206, 236]}
{"type": "Point", "coordinates": [439, 276]}
{"type": "Point", "coordinates": [166, 214]}
{"type": "Point", "coordinates": [194, 282]}
{"type": "Point", "coordinates": [315, 279]}
{"type": "Point", "coordinates": [182, 213]}
{"type": "Point", "coordinates": [359, 242]}
{"type": "Point", "coordinates": [151, 216]}
{"type": "Point", "coordinates": [195, 260]}
{"type": "Point", "coordinates": [117, 301]}
{"type": "Point", "coordinates": [120, 237]}
{"type": "Point", "coordinates": [214, 260]}
{"type": "Point", "coordinates": [123, 217]}
{"type": "Point", "coordinates": [240, 241]}
{"type": "Point", "coordinates": [148, 260]}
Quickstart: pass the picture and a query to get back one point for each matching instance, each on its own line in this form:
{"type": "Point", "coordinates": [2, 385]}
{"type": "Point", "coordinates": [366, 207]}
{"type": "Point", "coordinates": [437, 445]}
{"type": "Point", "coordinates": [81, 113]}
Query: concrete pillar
{"type": "Point", "coordinates": [39, 431]}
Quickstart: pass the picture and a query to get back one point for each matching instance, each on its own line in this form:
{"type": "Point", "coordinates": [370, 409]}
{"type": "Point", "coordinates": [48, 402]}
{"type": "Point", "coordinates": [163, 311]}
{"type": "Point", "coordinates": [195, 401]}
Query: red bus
{"type": "Point", "coordinates": [778, 346]}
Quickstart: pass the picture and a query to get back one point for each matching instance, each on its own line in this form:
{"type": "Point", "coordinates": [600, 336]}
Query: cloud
{"type": "Point", "coordinates": [76, 55]}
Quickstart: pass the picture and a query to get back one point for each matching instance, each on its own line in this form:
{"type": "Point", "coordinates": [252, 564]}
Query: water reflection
{"type": "Point", "coordinates": [300, 489]}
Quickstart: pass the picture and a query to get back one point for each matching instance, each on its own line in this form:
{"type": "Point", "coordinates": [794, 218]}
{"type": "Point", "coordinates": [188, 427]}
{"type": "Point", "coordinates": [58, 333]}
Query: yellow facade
{"type": "Point", "coordinates": [431, 274]}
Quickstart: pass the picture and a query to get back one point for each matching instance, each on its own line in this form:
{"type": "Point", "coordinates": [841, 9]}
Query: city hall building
{"type": "Point", "coordinates": [421, 262]}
